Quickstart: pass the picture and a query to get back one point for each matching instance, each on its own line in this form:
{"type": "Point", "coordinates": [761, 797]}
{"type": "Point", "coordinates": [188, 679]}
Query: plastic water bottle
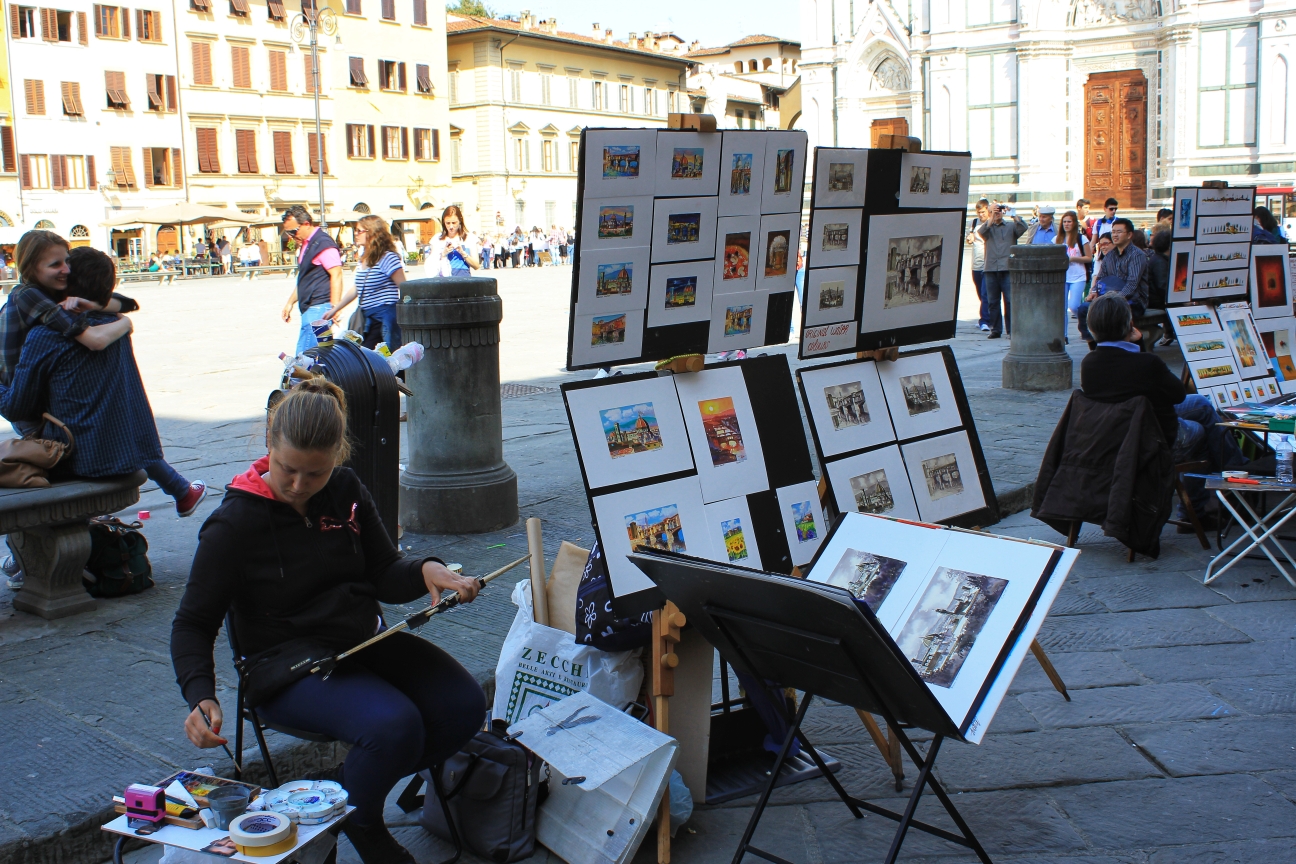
{"type": "Point", "coordinates": [1283, 460]}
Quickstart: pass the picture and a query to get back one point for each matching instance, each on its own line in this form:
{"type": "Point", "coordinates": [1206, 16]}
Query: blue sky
{"type": "Point", "coordinates": [712, 24]}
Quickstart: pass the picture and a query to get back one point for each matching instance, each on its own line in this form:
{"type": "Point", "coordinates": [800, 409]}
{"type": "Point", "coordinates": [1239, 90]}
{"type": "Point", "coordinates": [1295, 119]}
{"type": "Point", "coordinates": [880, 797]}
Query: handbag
{"type": "Point", "coordinates": [491, 790]}
{"type": "Point", "coordinates": [25, 462]}
{"type": "Point", "coordinates": [118, 558]}
{"type": "Point", "coordinates": [264, 674]}
{"type": "Point", "coordinates": [596, 623]}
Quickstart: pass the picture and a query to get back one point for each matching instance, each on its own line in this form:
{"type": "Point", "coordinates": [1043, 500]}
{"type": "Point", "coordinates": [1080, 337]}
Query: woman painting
{"type": "Point", "coordinates": [455, 249]}
{"type": "Point", "coordinates": [1079, 254]}
{"type": "Point", "coordinates": [297, 550]}
{"type": "Point", "coordinates": [377, 282]}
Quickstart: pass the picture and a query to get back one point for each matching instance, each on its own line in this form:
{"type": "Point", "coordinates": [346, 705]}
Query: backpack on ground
{"type": "Point", "coordinates": [118, 558]}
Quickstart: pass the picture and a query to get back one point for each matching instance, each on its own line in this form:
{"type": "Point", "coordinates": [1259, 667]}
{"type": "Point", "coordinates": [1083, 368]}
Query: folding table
{"type": "Point", "coordinates": [1261, 532]}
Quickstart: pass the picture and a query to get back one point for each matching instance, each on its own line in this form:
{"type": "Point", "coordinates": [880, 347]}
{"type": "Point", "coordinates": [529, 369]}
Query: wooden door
{"type": "Point", "coordinates": [1115, 156]}
{"type": "Point", "coordinates": [888, 126]}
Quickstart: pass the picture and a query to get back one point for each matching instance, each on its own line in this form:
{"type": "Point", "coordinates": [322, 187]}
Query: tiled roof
{"type": "Point", "coordinates": [758, 39]}
{"type": "Point", "coordinates": [467, 23]}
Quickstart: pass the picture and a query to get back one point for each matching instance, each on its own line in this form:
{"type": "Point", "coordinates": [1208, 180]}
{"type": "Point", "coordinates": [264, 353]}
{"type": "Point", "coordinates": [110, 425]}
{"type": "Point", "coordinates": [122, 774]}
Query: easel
{"type": "Point", "coordinates": [811, 637]}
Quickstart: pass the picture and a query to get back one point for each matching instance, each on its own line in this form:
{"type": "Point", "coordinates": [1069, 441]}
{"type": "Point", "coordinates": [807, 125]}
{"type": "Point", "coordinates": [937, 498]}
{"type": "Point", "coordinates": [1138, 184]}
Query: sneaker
{"type": "Point", "coordinates": [985, 328]}
{"type": "Point", "coordinates": [13, 573]}
{"type": "Point", "coordinates": [189, 503]}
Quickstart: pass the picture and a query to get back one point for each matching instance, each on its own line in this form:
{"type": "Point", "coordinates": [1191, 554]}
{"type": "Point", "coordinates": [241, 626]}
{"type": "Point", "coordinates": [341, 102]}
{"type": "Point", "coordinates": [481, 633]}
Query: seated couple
{"type": "Point", "coordinates": [80, 369]}
{"type": "Point", "coordinates": [1115, 370]}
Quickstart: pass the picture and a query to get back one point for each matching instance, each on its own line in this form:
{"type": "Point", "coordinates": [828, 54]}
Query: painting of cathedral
{"type": "Point", "coordinates": [631, 429]}
{"type": "Point", "coordinates": [614, 279]}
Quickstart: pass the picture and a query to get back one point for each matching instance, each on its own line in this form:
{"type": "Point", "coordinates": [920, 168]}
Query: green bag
{"type": "Point", "coordinates": [118, 559]}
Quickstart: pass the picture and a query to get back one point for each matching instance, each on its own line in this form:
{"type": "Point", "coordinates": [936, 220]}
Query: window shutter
{"type": "Point", "coordinates": [49, 25]}
{"type": "Point", "coordinates": [282, 152]}
{"type": "Point", "coordinates": [385, 148]}
{"type": "Point", "coordinates": [177, 168]}
{"type": "Point", "coordinates": [15, 22]}
{"type": "Point", "coordinates": [278, 71]}
{"type": "Point", "coordinates": [276, 9]}
{"type": "Point", "coordinates": [91, 179]}
{"type": "Point", "coordinates": [310, 73]}
{"type": "Point", "coordinates": [423, 75]}
{"type": "Point", "coordinates": [370, 132]}
{"type": "Point", "coordinates": [400, 75]}
{"type": "Point", "coordinates": [389, 10]}
{"type": "Point", "coordinates": [172, 102]}
{"type": "Point", "coordinates": [56, 173]}
{"type": "Point", "coordinates": [24, 170]}
{"type": "Point", "coordinates": [313, 152]}
{"type": "Point", "coordinates": [139, 24]}
{"type": "Point", "coordinates": [241, 66]}
{"type": "Point", "coordinates": [154, 96]}
{"type": "Point", "coordinates": [358, 77]}
{"type": "Point", "coordinates": [404, 142]}
{"type": "Point", "coordinates": [125, 23]}
{"type": "Point", "coordinates": [208, 157]}
{"type": "Point", "coordinates": [29, 91]}
{"type": "Point", "coordinates": [69, 106]}
{"type": "Point", "coordinates": [350, 137]}
{"type": "Point", "coordinates": [83, 36]}
{"type": "Point", "coordinates": [202, 70]}
{"type": "Point", "coordinates": [420, 12]}
{"type": "Point", "coordinates": [39, 90]}
{"type": "Point", "coordinates": [148, 166]}
{"type": "Point", "coordinates": [7, 149]}
{"type": "Point", "coordinates": [436, 145]}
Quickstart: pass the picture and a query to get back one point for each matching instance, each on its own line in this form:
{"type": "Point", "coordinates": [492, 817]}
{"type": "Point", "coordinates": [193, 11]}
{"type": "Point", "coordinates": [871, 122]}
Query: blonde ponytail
{"type": "Point", "coordinates": [313, 416]}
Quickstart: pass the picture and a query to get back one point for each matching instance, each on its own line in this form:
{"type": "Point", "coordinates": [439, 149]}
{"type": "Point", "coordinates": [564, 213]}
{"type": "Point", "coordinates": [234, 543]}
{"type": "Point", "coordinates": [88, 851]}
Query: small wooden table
{"type": "Point", "coordinates": [195, 839]}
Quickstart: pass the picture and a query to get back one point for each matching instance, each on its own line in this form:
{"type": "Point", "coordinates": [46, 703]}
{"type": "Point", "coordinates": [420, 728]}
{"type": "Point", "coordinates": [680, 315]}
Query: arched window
{"type": "Point", "coordinates": [1278, 100]}
{"type": "Point", "coordinates": [793, 65]}
{"type": "Point", "coordinates": [5, 221]}
{"type": "Point", "coordinates": [44, 225]}
{"type": "Point", "coordinates": [738, 67]}
{"type": "Point", "coordinates": [361, 208]}
{"type": "Point", "coordinates": [79, 232]}
{"type": "Point", "coordinates": [751, 65]}
{"type": "Point", "coordinates": [766, 63]}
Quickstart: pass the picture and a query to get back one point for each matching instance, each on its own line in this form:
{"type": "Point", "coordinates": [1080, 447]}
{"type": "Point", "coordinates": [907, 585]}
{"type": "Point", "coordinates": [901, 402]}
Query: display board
{"type": "Point", "coordinates": [713, 464]}
{"type": "Point", "coordinates": [885, 249]}
{"type": "Point", "coordinates": [1233, 357]}
{"type": "Point", "coordinates": [1210, 257]}
{"type": "Point", "coordinates": [686, 243]}
{"type": "Point", "coordinates": [898, 439]}
{"type": "Point", "coordinates": [954, 603]}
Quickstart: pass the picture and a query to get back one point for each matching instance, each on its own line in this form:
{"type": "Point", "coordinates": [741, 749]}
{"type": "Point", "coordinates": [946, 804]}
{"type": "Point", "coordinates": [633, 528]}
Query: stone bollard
{"type": "Point", "coordinates": [456, 480]}
{"type": "Point", "coordinates": [1036, 359]}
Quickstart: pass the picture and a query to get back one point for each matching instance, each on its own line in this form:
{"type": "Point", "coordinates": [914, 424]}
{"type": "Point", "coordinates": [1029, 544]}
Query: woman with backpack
{"type": "Point", "coordinates": [297, 555]}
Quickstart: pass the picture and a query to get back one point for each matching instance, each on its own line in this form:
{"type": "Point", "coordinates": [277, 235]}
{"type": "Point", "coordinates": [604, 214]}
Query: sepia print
{"type": "Point", "coordinates": [913, 270]}
{"type": "Point", "coordinates": [866, 576]}
{"type": "Point", "coordinates": [872, 492]}
{"type": "Point", "coordinates": [846, 405]}
{"type": "Point", "coordinates": [940, 632]}
{"type": "Point", "coordinates": [943, 477]}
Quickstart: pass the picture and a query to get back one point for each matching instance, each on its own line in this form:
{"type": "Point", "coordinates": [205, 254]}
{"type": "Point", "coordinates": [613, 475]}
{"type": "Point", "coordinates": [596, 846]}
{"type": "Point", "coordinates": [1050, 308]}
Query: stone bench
{"type": "Point", "coordinates": [250, 273]}
{"type": "Point", "coordinates": [49, 531]}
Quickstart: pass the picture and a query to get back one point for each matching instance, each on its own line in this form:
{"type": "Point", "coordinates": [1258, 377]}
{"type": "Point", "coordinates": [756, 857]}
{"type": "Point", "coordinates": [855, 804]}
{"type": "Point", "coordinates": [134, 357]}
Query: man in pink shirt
{"type": "Point", "coordinates": [319, 274]}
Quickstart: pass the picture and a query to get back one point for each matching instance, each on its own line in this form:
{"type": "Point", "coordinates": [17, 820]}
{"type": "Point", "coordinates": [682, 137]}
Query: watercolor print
{"type": "Point", "coordinates": [723, 437]}
{"type": "Point", "coordinates": [686, 163]}
{"type": "Point", "coordinates": [734, 541]}
{"type": "Point", "coordinates": [783, 166]}
{"type": "Point", "coordinates": [1223, 229]}
{"type": "Point", "coordinates": [919, 393]}
{"type": "Point", "coordinates": [841, 176]}
{"type": "Point", "coordinates": [614, 279]}
{"type": "Point", "coordinates": [658, 528]}
{"type": "Point", "coordinates": [1244, 347]}
{"type": "Point", "coordinates": [868, 577]}
{"type": "Point", "coordinates": [1220, 256]}
{"type": "Point", "coordinates": [1185, 204]}
{"type": "Point", "coordinates": [803, 519]}
{"type": "Point", "coordinates": [740, 175]}
{"type": "Point", "coordinates": [620, 162]}
{"type": "Point", "coordinates": [681, 292]}
{"type": "Point", "coordinates": [846, 405]}
{"type": "Point", "coordinates": [1194, 320]}
{"type": "Point", "coordinates": [951, 181]}
{"type": "Point", "coordinates": [615, 221]}
{"type": "Point", "coordinates": [872, 492]}
{"type": "Point", "coordinates": [1277, 344]}
{"type": "Point", "coordinates": [738, 320]}
{"type": "Point", "coordinates": [944, 625]}
{"type": "Point", "coordinates": [1181, 255]}
{"type": "Point", "coordinates": [919, 180]}
{"type": "Point", "coordinates": [942, 476]}
{"type": "Point", "coordinates": [737, 256]}
{"type": "Point", "coordinates": [683, 228]}
{"type": "Point", "coordinates": [1226, 201]}
{"type": "Point", "coordinates": [1204, 346]}
{"type": "Point", "coordinates": [608, 330]}
{"type": "Point", "coordinates": [836, 237]}
{"type": "Point", "coordinates": [913, 270]}
{"type": "Point", "coordinates": [777, 248]}
{"type": "Point", "coordinates": [631, 429]}
{"type": "Point", "coordinates": [1271, 286]}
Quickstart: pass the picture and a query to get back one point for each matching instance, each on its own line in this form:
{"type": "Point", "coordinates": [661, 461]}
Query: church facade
{"type": "Point", "coordinates": [1058, 99]}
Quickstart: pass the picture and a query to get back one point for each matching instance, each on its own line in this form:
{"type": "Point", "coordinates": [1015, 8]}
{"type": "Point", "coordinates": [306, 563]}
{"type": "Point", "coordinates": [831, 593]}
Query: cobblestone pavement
{"type": "Point", "coordinates": [1177, 746]}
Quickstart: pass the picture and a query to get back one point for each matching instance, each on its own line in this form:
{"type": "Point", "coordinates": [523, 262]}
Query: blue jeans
{"type": "Point", "coordinates": [1075, 295]}
{"type": "Point", "coordinates": [306, 339]}
{"type": "Point", "coordinates": [403, 704]}
{"type": "Point", "coordinates": [381, 326]}
{"type": "Point", "coordinates": [1200, 437]}
{"type": "Point", "coordinates": [978, 279]}
{"type": "Point", "coordinates": [167, 478]}
{"type": "Point", "coordinates": [997, 285]}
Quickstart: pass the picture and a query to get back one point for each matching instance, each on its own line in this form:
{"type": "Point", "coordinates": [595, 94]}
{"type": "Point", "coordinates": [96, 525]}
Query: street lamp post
{"type": "Point", "coordinates": [312, 21]}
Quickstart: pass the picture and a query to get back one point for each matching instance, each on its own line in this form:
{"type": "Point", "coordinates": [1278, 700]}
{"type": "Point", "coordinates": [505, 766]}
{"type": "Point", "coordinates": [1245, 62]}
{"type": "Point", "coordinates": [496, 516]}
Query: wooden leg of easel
{"type": "Point", "coordinates": [1047, 665]}
{"type": "Point", "coordinates": [667, 622]}
{"type": "Point", "coordinates": [1073, 534]}
{"type": "Point", "coordinates": [890, 749]}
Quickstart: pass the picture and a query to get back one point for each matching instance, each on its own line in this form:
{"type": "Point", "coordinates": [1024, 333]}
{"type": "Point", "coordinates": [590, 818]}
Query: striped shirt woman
{"type": "Point", "coordinates": [377, 284]}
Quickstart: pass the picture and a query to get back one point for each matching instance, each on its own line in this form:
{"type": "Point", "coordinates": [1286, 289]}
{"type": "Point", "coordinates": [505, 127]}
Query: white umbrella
{"type": "Point", "coordinates": [181, 213]}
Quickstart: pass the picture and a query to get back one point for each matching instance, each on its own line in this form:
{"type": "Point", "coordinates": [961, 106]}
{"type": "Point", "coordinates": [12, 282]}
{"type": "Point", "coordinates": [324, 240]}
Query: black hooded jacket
{"type": "Point", "coordinates": [286, 576]}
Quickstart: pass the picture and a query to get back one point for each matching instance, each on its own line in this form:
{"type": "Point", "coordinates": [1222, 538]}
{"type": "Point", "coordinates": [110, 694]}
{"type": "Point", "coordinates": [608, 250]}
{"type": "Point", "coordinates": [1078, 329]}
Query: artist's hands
{"type": "Point", "coordinates": [196, 727]}
{"type": "Point", "coordinates": [439, 578]}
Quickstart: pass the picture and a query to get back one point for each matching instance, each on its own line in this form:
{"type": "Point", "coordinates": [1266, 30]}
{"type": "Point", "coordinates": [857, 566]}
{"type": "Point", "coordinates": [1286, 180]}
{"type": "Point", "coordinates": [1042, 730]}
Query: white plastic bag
{"type": "Point", "coordinates": [540, 664]}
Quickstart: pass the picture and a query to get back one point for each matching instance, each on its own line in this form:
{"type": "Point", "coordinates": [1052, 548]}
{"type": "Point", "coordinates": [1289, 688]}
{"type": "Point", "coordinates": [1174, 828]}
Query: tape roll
{"type": "Point", "coordinates": [285, 845]}
{"type": "Point", "coordinates": [260, 829]}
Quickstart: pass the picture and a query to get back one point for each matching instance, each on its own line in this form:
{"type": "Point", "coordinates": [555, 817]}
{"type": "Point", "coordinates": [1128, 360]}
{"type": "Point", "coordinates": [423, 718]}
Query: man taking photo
{"type": "Point", "coordinates": [999, 238]}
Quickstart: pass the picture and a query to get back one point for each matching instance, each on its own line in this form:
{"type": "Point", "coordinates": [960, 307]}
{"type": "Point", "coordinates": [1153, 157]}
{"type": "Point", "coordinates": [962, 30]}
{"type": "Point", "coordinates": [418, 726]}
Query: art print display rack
{"type": "Point", "coordinates": [897, 438]}
{"type": "Point", "coordinates": [942, 663]}
{"type": "Point", "coordinates": [687, 243]}
{"type": "Point", "coordinates": [885, 249]}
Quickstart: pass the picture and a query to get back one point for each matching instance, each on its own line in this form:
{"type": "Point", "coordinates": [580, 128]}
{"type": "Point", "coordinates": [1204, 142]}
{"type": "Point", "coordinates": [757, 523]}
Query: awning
{"type": "Point", "coordinates": [180, 213]}
{"type": "Point", "coordinates": [1274, 190]}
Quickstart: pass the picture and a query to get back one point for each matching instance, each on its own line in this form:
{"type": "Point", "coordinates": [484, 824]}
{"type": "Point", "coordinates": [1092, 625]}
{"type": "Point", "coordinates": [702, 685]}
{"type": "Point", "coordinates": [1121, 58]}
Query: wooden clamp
{"type": "Point", "coordinates": [682, 363]}
{"type": "Point", "coordinates": [692, 122]}
{"type": "Point", "coordinates": [899, 142]}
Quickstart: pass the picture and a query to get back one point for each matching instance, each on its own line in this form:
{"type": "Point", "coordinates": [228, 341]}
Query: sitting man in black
{"type": "Point", "coordinates": [1116, 371]}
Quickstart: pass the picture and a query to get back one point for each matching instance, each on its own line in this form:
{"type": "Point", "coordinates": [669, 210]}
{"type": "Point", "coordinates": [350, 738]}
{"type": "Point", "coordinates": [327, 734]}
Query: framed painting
{"type": "Point", "coordinates": [1194, 320]}
{"type": "Point", "coordinates": [1223, 229]}
{"type": "Point", "coordinates": [1214, 284]}
{"type": "Point", "coordinates": [803, 520]}
{"type": "Point", "coordinates": [1241, 334]}
{"type": "Point", "coordinates": [783, 185]}
{"type": "Point", "coordinates": [776, 259]}
{"type": "Point", "coordinates": [1278, 335]}
{"type": "Point", "coordinates": [846, 407]}
{"type": "Point", "coordinates": [919, 395]}
{"type": "Point", "coordinates": [683, 229]}
{"type": "Point", "coordinates": [944, 476]}
{"type": "Point", "coordinates": [606, 338]}
{"type": "Point", "coordinates": [874, 481]}
{"type": "Point", "coordinates": [679, 293]}
{"type": "Point", "coordinates": [1219, 372]}
{"type": "Point", "coordinates": [722, 431]}
{"type": "Point", "coordinates": [668, 516]}
{"type": "Point", "coordinates": [911, 270]}
{"type": "Point", "coordinates": [830, 294]}
{"type": "Point", "coordinates": [935, 179]}
{"type": "Point", "coordinates": [835, 238]}
{"type": "Point", "coordinates": [628, 432]}
{"type": "Point", "coordinates": [840, 175]}
{"type": "Point", "coordinates": [688, 163]}
{"type": "Point", "coordinates": [733, 538]}
{"type": "Point", "coordinates": [612, 280]}
{"type": "Point", "coordinates": [1185, 213]}
{"type": "Point", "coordinates": [619, 163]}
{"type": "Point", "coordinates": [737, 321]}
{"type": "Point", "coordinates": [1229, 201]}
{"type": "Point", "coordinates": [737, 247]}
{"type": "Point", "coordinates": [1271, 286]}
{"type": "Point", "coordinates": [1221, 256]}
{"type": "Point", "coordinates": [1179, 289]}
{"type": "Point", "coordinates": [742, 169]}
{"type": "Point", "coordinates": [615, 223]}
